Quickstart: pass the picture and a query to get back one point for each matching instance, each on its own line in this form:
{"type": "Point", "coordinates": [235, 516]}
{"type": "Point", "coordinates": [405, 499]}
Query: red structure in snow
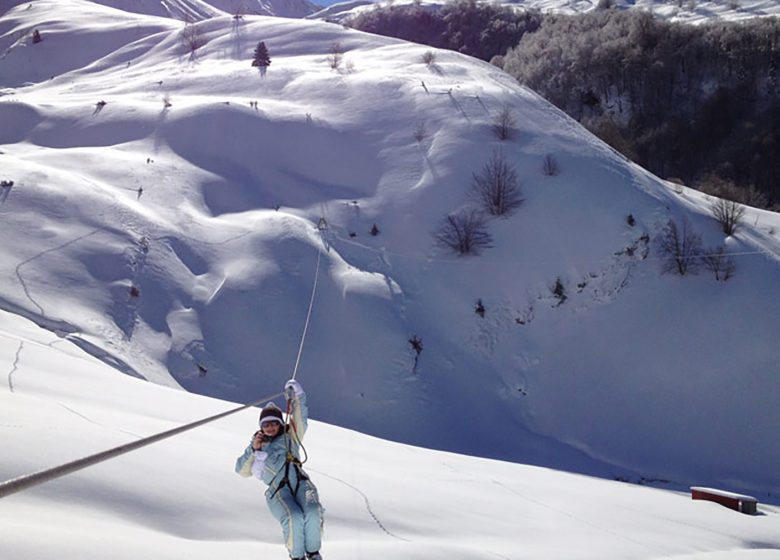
{"type": "Point", "coordinates": [737, 502]}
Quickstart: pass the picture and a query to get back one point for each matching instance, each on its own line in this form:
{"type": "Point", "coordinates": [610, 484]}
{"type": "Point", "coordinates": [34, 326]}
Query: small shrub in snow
{"type": "Point", "coordinates": [680, 248]}
{"type": "Point", "coordinates": [558, 290]}
{"type": "Point", "coordinates": [497, 187]}
{"type": "Point", "coordinates": [729, 214]}
{"type": "Point", "coordinates": [420, 133]}
{"type": "Point", "coordinates": [630, 220]}
{"type": "Point", "coordinates": [719, 263]}
{"type": "Point", "coordinates": [504, 124]}
{"type": "Point", "coordinates": [429, 57]}
{"type": "Point", "coordinates": [479, 308]}
{"type": "Point", "coordinates": [336, 56]}
{"type": "Point", "coordinates": [417, 346]}
{"type": "Point", "coordinates": [464, 232]}
{"type": "Point", "coordinates": [192, 38]}
{"type": "Point", "coordinates": [36, 37]}
{"type": "Point", "coordinates": [374, 230]}
{"type": "Point", "coordinates": [525, 316]}
{"type": "Point", "coordinates": [550, 165]}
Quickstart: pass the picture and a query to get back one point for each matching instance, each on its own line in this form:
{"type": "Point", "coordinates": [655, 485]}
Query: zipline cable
{"type": "Point", "coordinates": [308, 314]}
{"type": "Point", "coordinates": [27, 481]}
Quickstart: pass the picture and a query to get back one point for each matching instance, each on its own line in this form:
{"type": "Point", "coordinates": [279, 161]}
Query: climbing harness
{"type": "Point", "coordinates": [291, 460]}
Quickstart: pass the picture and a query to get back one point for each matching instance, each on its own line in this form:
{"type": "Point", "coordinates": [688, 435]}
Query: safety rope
{"type": "Point", "coordinates": [27, 481]}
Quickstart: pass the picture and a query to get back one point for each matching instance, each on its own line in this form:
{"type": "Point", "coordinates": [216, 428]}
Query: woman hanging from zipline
{"type": "Point", "coordinates": [273, 456]}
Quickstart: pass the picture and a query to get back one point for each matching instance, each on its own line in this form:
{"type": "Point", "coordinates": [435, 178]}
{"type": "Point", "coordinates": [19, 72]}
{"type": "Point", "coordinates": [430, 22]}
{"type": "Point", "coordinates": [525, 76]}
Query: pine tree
{"type": "Point", "coordinates": [262, 58]}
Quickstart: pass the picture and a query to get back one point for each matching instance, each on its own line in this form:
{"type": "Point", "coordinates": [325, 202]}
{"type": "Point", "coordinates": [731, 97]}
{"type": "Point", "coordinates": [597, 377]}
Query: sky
{"type": "Point", "coordinates": [173, 206]}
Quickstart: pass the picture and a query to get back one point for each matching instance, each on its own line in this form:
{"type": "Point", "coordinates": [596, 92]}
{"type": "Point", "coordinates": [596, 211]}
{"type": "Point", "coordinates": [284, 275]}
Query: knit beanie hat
{"type": "Point", "coordinates": [271, 413]}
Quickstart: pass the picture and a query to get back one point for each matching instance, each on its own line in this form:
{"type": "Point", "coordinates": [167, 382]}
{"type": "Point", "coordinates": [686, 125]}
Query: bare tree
{"type": "Point", "coordinates": [192, 38]}
{"type": "Point", "coordinates": [728, 213]}
{"type": "Point", "coordinates": [720, 264]}
{"type": "Point", "coordinates": [464, 232]}
{"type": "Point", "coordinates": [428, 57]}
{"type": "Point", "coordinates": [680, 248]}
{"type": "Point", "coordinates": [504, 124]}
{"type": "Point", "coordinates": [336, 55]}
{"type": "Point", "coordinates": [417, 346]}
{"type": "Point", "coordinates": [550, 165]}
{"type": "Point", "coordinates": [497, 187]}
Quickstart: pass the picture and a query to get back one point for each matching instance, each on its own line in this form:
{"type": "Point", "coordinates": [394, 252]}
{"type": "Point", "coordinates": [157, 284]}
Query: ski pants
{"type": "Point", "coordinates": [300, 516]}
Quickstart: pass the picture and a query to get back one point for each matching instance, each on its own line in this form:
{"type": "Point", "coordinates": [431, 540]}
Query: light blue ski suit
{"type": "Point", "coordinates": [295, 505]}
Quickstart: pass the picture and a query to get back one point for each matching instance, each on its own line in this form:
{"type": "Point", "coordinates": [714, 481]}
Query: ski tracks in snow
{"type": "Point", "coordinates": [91, 421]}
{"type": "Point", "coordinates": [39, 255]}
{"type": "Point", "coordinates": [368, 505]}
{"type": "Point", "coordinates": [14, 367]}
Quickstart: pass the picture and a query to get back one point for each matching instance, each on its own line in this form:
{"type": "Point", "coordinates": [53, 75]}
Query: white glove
{"type": "Point", "coordinates": [292, 386]}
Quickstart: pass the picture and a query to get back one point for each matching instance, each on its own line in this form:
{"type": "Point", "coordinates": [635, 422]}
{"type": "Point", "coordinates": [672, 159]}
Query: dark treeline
{"type": "Point", "coordinates": [699, 103]}
{"type": "Point", "coordinates": [692, 102]}
{"type": "Point", "coordinates": [478, 29]}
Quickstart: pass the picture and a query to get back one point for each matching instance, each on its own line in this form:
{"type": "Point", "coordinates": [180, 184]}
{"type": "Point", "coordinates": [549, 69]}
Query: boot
{"type": "Point", "coordinates": [313, 556]}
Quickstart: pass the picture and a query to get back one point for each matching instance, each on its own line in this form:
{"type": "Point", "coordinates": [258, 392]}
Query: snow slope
{"type": "Point", "coordinates": [198, 10]}
{"type": "Point", "coordinates": [180, 499]}
{"type": "Point", "coordinates": [683, 11]}
{"type": "Point", "coordinates": [166, 204]}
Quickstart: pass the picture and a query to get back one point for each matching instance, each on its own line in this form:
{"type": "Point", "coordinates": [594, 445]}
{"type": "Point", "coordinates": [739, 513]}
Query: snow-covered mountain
{"type": "Point", "coordinates": [198, 10]}
{"type": "Point", "coordinates": [684, 11]}
{"type": "Point", "coordinates": [169, 203]}
{"type": "Point", "coordinates": [179, 498]}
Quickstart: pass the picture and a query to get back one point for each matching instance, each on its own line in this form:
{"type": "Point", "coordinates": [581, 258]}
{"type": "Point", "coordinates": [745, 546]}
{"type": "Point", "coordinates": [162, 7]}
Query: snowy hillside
{"type": "Point", "coordinates": [164, 216]}
{"type": "Point", "coordinates": [684, 11]}
{"type": "Point", "coordinates": [197, 10]}
{"type": "Point", "coordinates": [179, 498]}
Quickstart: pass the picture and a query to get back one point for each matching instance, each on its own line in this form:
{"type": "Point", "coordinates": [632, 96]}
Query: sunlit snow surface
{"type": "Point", "coordinates": [179, 498]}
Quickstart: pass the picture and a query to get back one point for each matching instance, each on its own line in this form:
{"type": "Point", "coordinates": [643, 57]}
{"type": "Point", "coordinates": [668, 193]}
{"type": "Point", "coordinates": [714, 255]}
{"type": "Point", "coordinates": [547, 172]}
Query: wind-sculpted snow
{"type": "Point", "coordinates": [69, 42]}
{"type": "Point", "coordinates": [264, 163]}
{"type": "Point", "coordinates": [19, 120]}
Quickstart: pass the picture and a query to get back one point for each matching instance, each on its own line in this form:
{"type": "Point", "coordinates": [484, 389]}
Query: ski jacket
{"type": "Point", "coordinates": [267, 464]}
